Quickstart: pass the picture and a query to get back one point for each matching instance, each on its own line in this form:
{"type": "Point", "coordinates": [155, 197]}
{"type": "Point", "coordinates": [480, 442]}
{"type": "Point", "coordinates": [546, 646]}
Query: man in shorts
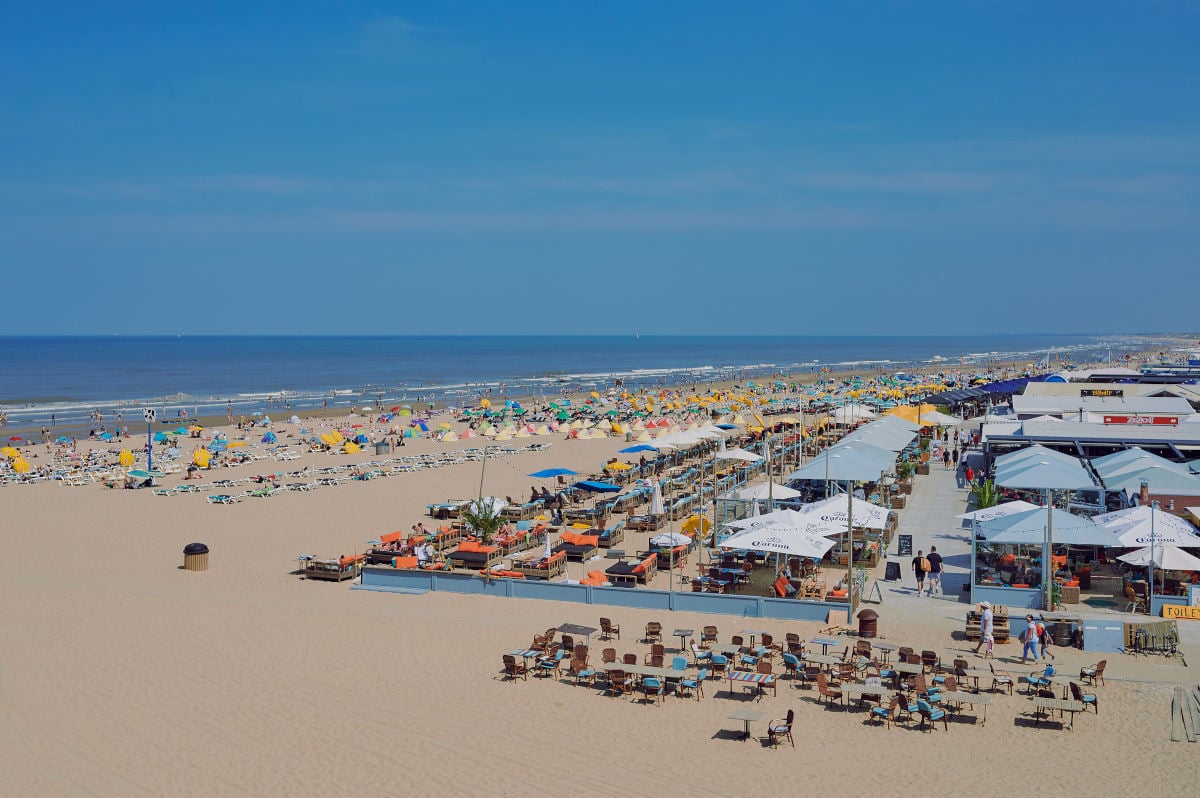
{"type": "Point", "coordinates": [986, 625]}
{"type": "Point", "coordinates": [919, 570]}
{"type": "Point", "coordinates": [935, 570]}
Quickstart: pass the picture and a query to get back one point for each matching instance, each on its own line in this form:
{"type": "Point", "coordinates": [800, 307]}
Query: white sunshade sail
{"type": "Point", "coordinates": [739, 454]}
{"type": "Point", "coordinates": [831, 514]}
{"type": "Point", "coordinates": [1029, 528]}
{"type": "Point", "coordinates": [779, 538]}
{"type": "Point", "coordinates": [775, 491]}
{"type": "Point", "coordinates": [998, 511]}
{"type": "Point", "coordinates": [1168, 558]}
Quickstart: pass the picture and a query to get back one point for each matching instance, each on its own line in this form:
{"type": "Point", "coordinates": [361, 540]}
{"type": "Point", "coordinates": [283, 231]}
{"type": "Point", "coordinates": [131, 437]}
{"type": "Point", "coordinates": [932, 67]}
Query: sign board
{"type": "Point", "coordinates": [1145, 421]}
{"type": "Point", "coordinates": [1181, 611]}
{"type": "Point", "coordinates": [149, 413]}
{"type": "Point", "coordinates": [904, 545]}
{"type": "Point", "coordinates": [892, 571]}
{"type": "Point", "coordinates": [1102, 392]}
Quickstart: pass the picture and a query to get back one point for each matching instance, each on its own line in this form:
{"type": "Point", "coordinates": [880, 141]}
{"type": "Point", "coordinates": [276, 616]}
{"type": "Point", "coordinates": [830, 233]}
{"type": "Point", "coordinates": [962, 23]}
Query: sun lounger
{"type": "Point", "coordinates": [576, 546]}
{"type": "Point", "coordinates": [473, 554]}
{"type": "Point", "coordinates": [611, 536]}
{"type": "Point", "coordinates": [544, 569]}
{"type": "Point", "coordinates": [624, 574]}
{"type": "Point", "coordinates": [334, 570]}
{"type": "Point", "coordinates": [223, 498]}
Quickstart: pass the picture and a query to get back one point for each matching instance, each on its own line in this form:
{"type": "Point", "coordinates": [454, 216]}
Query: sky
{"type": "Point", "coordinates": [666, 167]}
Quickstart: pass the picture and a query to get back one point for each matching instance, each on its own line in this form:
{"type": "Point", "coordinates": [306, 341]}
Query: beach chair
{"type": "Point", "coordinates": [608, 629]}
{"type": "Point", "coordinates": [1095, 673]}
{"type": "Point", "coordinates": [551, 665]}
{"type": "Point", "coordinates": [903, 708]}
{"type": "Point", "coordinates": [1037, 680]}
{"type": "Point", "coordinates": [618, 683]}
{"type": "Point", "coordinates": [696, 684]}
{"type": "Point", "coordinates": [699, 655]}
{"type": "Point", "coordinates": [1000, 679]}
{"type": "Point", "coordinates": [791, 665]}
{"type": "Point", "coordinates": [719, 664]}
{"type": "Point", "coordinates": [653, 631]}
{"type": "Point", "coordinates": [656, 650]}
{"type": "Point", "coordinates": [781, 728]}
{"type": "Point", "coordinates": [930, 661]}
{"type": "Point", "coordinates": [652, 689]}
{"type": "Point", "coordinates": [629, 659]}
{"type": "Point", "coordinates": [708, 636]}
{"type": "Point", "coordinates": [931, 713]}
{"type": "Point", "coordinates": [513, 669]}
{"type": "Point", "coordinates": [887, 714]}
{"type": "Point", "coordinates": [827, 692]}
{"type": "Point", "coordinates": [608, 656]}
{"type": "Point", "coordinates": [1087, 699]}
{"type": "Point", "coordinates": [580, 670]}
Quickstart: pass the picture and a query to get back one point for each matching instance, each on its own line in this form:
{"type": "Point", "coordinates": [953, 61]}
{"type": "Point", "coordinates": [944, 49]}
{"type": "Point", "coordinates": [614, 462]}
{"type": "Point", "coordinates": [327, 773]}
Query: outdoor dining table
{"type": "Point", "coordinates": [1061, 705]}
{"type": "Point", "coordinates": [752, 633]}
{"type": "Point", "coordinates": [885, 650]}
{"type": "Point", "coordinates": [746, 716]}
{"type": "Point", "coordinates": [906, 669]}
{"type": "Point", "coordinates": [979, 699]}
{"type": "Point", "coordinates": [826, 642]}
{"type": "Point", "coordinates": [683, 635]}
{"type": "Point", "coordinates": [576, 629]}
{"type": "Point", "coordinates": [728, 649]}
{"type": "Point", "coordinates": [974, 674]}
{"type": "Point", "coordinates": [647, 670]}
{"type": "Point", "coordinates": [526, 653]}
{"type": "Point", "coordinates": [860, 690]}
{"type": "Point", "coordinates": [827, 660]}
{"type": "Point", "coordinates": [759, 680]}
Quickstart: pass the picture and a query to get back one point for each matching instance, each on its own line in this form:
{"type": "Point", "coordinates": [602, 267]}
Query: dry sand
{"type": "Point", "coordinates": [122, 675]}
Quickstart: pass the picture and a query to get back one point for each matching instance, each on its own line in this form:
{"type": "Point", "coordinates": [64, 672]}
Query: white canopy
{"type": "Point", "coordinates": [1168, 558]}
{"type": "Point", "coordinates": [739, 454]}
{"type": "Point", "coordinates": [998, 511]}
{"type": "Point", "coordinates": [1137, 526]}
{"type": "Point", "coordinates": [761, 491]}
{"type": "Point", "coordinates": [670, 539]}
{"type": "Point", "coordinates": [829, 515]}
{"type": "Point", "coordinates": [779, 538]}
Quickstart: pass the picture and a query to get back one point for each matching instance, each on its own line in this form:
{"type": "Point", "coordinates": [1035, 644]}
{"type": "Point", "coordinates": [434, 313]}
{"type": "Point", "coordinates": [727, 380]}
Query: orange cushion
{"type": "Point", "coordinates": [837, 592]}
{"type": "Point", "coordinates": [781, 586]}
{"type": "Point", "coordinates": [350, 560]}
{"type": "Point", "coordinates": [1073, 583]}
{"type": "Point", "coordinates": [645, 564]}
{"type": "Point", "coordinates": [1018, 584]}
{"type": "Point", "coordinates": [391, 537]}
{"type": "Point", "coordinates": [404, 562]}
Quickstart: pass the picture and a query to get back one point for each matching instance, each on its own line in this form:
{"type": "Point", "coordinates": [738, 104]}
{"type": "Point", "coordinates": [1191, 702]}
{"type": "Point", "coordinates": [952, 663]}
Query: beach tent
{"type": "Point", "coordinates": [269, 438]}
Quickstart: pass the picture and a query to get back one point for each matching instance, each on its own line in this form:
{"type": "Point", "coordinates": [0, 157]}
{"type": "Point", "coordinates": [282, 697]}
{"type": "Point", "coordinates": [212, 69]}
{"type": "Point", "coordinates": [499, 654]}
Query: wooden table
{"type": "Point", "coordinates": [647, 670]}
{"type": "Point", "coordinates": [969, 698]}
{"type": "Point", "coordinates": [576, 629]}
{"type": "Point", "coordinates": [975, 675]}
{"type": "Point", "coordinates": [1059, 704]}
{"type": "Point", "coordinates": [745, 715]}
{"type": "Point", "coordinates": [860, 690]}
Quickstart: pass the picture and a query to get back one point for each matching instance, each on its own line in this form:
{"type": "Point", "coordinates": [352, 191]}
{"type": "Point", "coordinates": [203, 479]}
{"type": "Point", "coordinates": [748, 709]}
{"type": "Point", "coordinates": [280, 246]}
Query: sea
{"type": "Point", "coordinates": [68, 379]}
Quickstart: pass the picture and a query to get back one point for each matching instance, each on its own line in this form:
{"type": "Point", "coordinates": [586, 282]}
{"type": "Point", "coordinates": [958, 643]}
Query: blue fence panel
{"type": "Point", "coordinates": [1023, 597]}
{"type": "Point", "coordinates": [552, 591]}
{"type": "Point", "coordinates": [1157, 602]}
{"type": "Point", "coordinates": [631, 597]}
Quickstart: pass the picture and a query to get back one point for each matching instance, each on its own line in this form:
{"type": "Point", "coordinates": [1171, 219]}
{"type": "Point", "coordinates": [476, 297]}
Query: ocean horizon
{"type": "Point", "coordinates": [70, 375]}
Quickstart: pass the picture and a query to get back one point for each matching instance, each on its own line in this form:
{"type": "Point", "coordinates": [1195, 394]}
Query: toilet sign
{"type": "Point", "coordinates": [149, 414]}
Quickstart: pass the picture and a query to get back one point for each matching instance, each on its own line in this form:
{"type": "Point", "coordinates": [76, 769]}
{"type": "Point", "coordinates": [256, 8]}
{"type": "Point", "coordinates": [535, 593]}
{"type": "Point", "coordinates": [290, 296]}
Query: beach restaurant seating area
{"type": "Point", "coordinates": [865, 681]}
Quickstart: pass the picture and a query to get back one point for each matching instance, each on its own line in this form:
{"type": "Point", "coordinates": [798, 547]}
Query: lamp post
{"type": "Point", "coordinates": [1150, 595]}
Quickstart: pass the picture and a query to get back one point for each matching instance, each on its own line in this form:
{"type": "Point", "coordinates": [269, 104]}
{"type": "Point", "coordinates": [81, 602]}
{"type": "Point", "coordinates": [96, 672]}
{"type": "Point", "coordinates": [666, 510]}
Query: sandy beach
{"type": "Point", "coordinates": [124, 675]}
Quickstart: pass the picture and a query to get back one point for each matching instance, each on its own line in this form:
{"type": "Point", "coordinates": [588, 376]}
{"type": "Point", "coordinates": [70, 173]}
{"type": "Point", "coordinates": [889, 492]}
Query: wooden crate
{"type": "Point", "coordinates": [1000, 630]}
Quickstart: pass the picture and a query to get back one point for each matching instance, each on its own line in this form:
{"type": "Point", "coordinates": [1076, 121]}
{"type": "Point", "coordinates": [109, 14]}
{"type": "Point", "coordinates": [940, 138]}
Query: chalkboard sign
{"type": "Point", "coordinates": [905, 545]}
{"type": "Point", "coordinates": [892, 573]}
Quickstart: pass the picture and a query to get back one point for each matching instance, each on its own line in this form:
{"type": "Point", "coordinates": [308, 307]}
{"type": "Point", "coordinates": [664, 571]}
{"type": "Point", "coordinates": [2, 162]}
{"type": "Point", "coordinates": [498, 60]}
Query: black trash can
{"type": "Point", "coordinates": [1060, 631]}
{"type": "Point", "coordinates": [195, 557]}
{"type": "Point", "coordinates": [868, 623]}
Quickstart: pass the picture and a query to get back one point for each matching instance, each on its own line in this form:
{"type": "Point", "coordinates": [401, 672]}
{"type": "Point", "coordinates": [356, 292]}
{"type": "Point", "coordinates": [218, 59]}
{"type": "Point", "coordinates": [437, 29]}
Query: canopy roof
{"type": "Point", "coordinates": [1029, 527]}
{"type": "Point", "coordinates": [1168, 558]}
{"type": "Point", "coordinates": [1137, 526]}
{"type": "Point", "coordinates": [1039, 468]}
{"type": "Point", "coordinates": [597, 487]}
{"type": "Point", "coordinates": [830, 515]}
{"type": "Point", "coordinates": [998, 511]}
{"type": "Point", "coordinates": [760, 492]}
{"type": "Point", "coordinates": [779, 538]}
{"type": "Point", "coordinates": [855, 462]}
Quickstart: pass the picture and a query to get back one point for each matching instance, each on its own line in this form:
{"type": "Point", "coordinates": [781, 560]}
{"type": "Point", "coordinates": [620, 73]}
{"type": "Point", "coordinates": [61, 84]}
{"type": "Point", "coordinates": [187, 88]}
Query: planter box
{"type": "Point", "coordinates": [923, 469]}
{"type": "Point", "coordinates": [905, 488]}
{"type": "Point", "coordinates": [898, 502]}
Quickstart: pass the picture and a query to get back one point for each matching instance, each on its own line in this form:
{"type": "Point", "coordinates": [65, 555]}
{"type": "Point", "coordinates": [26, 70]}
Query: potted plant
{"type": "Point", "coordinates": [904, 471]}
{"type": "Point", "coordinates": [483, 518]}
{"type": "Point", "coordinates": [984, 495]}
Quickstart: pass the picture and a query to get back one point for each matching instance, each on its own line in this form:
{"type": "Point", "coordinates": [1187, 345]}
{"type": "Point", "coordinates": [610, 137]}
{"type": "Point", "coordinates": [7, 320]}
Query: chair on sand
{"type": "Point", "coordinates": [1000, 679]}
{"type": "Point", "coordinates": [1095, 673]}
{"type": "Point", "coordinates": [1087, 699]}
{"type": "Point", "coordinates": [513, 669]}
{"type": "Point", "coordinates": [777, 729]}
{"type": "Point", "coordinates": [696, 685]}
{"type": "Point", "coordinates": [889, 714]}
{"type": "Point", "coordinates": [652, 689]}
{"type": "Point", "coordinates": [826, 691]}
{"type": "Point", "coordinates": [932, 714]}
{"type": "Point", "coordinates": [608, 629]}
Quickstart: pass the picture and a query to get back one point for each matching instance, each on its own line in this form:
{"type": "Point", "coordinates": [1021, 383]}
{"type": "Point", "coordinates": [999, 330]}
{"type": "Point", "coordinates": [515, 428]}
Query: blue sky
{"type": "Point", "coordinates": [801, 168]}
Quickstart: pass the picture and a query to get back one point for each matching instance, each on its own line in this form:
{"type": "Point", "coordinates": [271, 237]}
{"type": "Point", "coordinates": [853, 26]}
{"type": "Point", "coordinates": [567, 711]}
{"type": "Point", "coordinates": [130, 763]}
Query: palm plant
{"type": "Point", "coordinates": [483, 518]}
{"type": "Point", "coordinates": [984, 494]}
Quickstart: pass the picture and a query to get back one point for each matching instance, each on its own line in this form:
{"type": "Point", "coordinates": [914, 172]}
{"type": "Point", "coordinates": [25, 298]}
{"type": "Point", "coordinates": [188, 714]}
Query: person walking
{"type": "Point", "coordinates": [946, 459]}
{"type": "Point", "coordinates": [920, 566]}
{"type": "Point", "coordinates": [1029, 637]}
{"type": "Point", "coordinates": [954, 456]}
{"type": "Point", "coordinates": [970, 475]}
{"type": "Point", "coordinates": [986, 625]}
{"type": "Point", "coordinates": [935, 570]}
{"type": "Point", "coordinates": [1045, 640]}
